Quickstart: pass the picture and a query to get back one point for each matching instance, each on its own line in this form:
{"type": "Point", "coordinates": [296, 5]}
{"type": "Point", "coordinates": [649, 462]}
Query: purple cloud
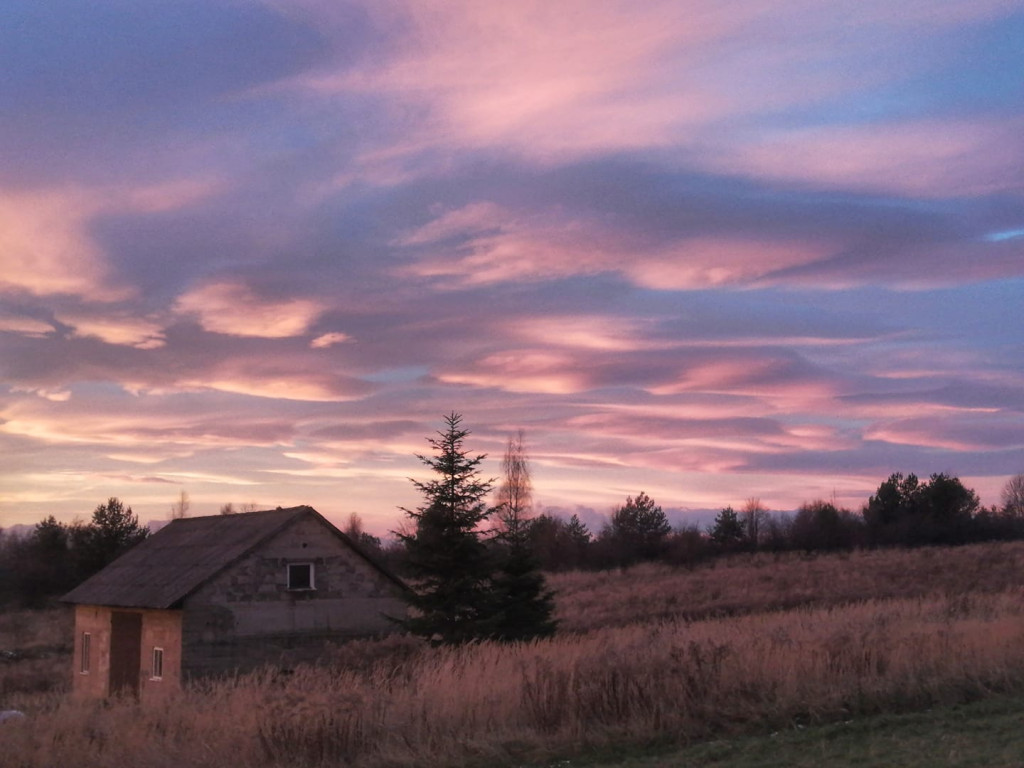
{"type": "Point", "coordinates": [255, 250]}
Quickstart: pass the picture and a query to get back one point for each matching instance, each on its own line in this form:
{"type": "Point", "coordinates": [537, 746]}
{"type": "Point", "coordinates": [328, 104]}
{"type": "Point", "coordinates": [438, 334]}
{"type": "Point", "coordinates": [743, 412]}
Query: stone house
{"type": "Point", "coordinates": [210, 595]}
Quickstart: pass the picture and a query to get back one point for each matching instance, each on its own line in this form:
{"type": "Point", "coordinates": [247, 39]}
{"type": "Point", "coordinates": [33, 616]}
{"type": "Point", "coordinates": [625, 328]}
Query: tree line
{"type": "Point", "coordinates": [904, 511]}
{"type": "Point", "coordinates": [476, 561]}
{"type": "Point", "coordinates": [55, 557]}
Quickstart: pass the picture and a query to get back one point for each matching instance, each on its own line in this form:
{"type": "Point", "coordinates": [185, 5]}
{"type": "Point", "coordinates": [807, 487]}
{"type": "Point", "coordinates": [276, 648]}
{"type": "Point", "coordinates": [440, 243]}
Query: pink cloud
{"type": "Point", "coordinates": [546, 78]}
{"type": "Point", "coordinates": [501, 245]}
{"type": "Point", "coordinates": [234, 309]}
{"type": "Point", "coordinates": [291, 377]}
{"type": "Point", "coordinates": [472, 219]}
{"type": "Point", "coordinates": [279, 386]}
{"type": "Point", "coordinates": [45, 247]}
{"type": "Point", "coordinates": [522, 371]}
{"type": "Point", "coordinates": [953, 430]}
{"type": "Point", "coordinates": [53, 395]}
{"type": "Point", "coordinates": [46, 244]}
{"type": "Point", "coordinates": [496, 244]}
{"type": "Point", "coordinates": [329, 340]}
{"type": "Point", "coordinates": [118, 328]}
{"type": "Point", "coordinates": [24, 326]}
{"type": "Point", "coordinates": [110, 424]}
{"type": "Point", "coordinates": [718, 441]}
{"type": "Point", "coordinates": [588, 332]}
{"type": "Point", "coordinates": [559, 80]}
{"type": "Point", "coordinates": [778, 380]}
{"type": "Point", "coordinates": [715, 261]}
{"type": "Point", "coordinates": [931, 158]}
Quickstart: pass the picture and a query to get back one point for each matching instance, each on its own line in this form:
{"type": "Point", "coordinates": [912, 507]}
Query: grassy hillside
{"type": "Point", "coordinates": [982, 733]}
{"type": "Point", "coordinates": [767, 582]}
{"type": "Point", "coordinates": [649, 656]}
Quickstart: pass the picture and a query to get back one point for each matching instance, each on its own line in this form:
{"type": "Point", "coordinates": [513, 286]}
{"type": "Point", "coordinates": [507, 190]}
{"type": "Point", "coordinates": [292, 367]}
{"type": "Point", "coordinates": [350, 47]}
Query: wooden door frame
{"type": "Point", "coordinates": [125, 652]}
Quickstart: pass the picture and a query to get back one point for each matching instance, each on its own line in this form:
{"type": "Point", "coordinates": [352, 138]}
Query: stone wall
{"type": "Point", "coordinates": [247, 615]}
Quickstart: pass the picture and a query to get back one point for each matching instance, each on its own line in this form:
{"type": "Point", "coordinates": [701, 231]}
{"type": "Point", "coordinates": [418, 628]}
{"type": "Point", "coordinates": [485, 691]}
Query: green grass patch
{"type": "Point", "coordinates": [984, 733]}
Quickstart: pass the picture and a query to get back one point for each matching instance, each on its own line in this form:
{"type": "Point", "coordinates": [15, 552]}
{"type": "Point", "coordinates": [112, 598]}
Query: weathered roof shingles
{"type": "Point", "coordinates": [182, 556]}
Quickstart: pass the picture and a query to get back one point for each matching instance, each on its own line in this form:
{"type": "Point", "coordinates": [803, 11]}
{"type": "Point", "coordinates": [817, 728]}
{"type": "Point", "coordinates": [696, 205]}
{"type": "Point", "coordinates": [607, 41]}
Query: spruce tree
{"type": "Point", "coordinates": [524, 604]}
{"type": "Point", "coordinates": [453, 597]}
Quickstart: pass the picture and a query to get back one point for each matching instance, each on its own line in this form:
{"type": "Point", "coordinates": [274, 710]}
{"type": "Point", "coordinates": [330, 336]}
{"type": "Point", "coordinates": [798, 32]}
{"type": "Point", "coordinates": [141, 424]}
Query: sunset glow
{"type": "Point", "coordinates": [256, 250]}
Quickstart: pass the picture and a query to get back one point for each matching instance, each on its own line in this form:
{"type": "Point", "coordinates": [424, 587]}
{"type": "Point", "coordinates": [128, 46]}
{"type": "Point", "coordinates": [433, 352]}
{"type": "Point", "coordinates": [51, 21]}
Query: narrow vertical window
{"type": "Point", "coordinates": [86, 653]}
{"type": "Point", "coordinates": [157, 671]}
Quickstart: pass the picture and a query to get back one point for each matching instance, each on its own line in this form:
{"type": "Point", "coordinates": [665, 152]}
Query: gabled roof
{"type": "Point", "coordinates": [185, 554]}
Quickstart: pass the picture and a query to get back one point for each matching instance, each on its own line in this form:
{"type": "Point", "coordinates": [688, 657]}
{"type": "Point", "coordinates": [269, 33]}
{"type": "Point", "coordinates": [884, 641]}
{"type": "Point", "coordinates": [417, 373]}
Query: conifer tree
{"type": "Point", "coordinates": [453, 597]}
{"type": "Point", "coordinates": [113, 531]}
{"type": "Point", "coordinates": [578, 536]}
{"type": "Point", "coordinates": [638, 530]}
{"type": "Point", "coordinates": [727, 531]}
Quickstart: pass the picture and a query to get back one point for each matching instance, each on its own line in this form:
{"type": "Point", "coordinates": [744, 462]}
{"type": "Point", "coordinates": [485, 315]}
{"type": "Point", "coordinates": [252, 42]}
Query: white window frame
{"type": "Point", "coordinates": [85, 657]}
{"type": "Point", "coordinates": [156, 667]}
{"type": "Point", "coordinates": [312, 577]}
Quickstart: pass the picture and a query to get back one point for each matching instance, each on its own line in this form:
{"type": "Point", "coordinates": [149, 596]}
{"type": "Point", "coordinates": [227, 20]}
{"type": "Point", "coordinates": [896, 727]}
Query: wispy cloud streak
{"type": "Point", "coordinates": [711, 251]}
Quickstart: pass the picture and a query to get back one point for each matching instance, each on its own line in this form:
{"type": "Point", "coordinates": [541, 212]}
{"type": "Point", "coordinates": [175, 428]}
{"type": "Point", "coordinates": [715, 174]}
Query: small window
{"type": "Point", "coordinates": [300, 576]}
{"type": "Point", "coordinates": [157, 672]}
{"type": "Point", "coordinates": [86, 653]}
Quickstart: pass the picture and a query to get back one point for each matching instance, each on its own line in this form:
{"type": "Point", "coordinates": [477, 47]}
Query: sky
{"type": "Point", "coordinates": [712, 250]}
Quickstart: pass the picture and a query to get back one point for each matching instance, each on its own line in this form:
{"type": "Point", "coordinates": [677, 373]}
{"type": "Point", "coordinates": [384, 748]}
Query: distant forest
{"type": "Point", "coordinates": [905, 511]}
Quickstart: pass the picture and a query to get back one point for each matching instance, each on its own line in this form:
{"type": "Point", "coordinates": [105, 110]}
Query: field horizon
{"type": "Point", "coordinates": [651, 655]}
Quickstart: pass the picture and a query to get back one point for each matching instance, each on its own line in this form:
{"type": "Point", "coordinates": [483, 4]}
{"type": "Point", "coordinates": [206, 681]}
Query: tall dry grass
{"type": "Point", "coordinates": [762, 582]}
{"type": "Point", "coordinates": [24, 629]}
{"type": "Point", "coordinates": [35, 651]}
{"type": "Point", "coordinates": [648, 654]}
{"type": "Point", "coordinates": [667, 680]}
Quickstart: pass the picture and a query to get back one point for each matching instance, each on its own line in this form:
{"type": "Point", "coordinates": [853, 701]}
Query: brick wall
{"type": "Point", "coordinates": [94, 681]}
{"type": "Point", "coordinates": [160, 629]}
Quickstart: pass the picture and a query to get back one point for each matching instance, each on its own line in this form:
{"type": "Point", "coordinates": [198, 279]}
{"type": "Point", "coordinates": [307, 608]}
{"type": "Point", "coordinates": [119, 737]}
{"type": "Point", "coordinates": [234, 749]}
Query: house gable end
{"type": "Point", "coordinates": [173, 563]}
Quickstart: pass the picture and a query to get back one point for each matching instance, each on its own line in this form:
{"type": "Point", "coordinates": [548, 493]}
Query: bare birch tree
{"type": "Point", "coordinates": [515, 494]}
{"type": "Point", "coordinates": [1013, 497]}
{"type": "Point", "coordinates": [179, 509]}
{"type": "Point", "coordinates": [525, 606]}
{"type": "Point", "coordinates": [753, 516]}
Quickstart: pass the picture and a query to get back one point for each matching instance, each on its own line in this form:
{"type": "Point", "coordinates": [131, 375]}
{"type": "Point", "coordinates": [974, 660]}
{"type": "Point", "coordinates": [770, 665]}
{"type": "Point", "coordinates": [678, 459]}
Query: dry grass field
{"type": "Point", "coordinates": [35, 652]}
{"type": "Point", "coordinates": [771, 582]}
{"type": "Point", "coordinates": [649, 656]}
